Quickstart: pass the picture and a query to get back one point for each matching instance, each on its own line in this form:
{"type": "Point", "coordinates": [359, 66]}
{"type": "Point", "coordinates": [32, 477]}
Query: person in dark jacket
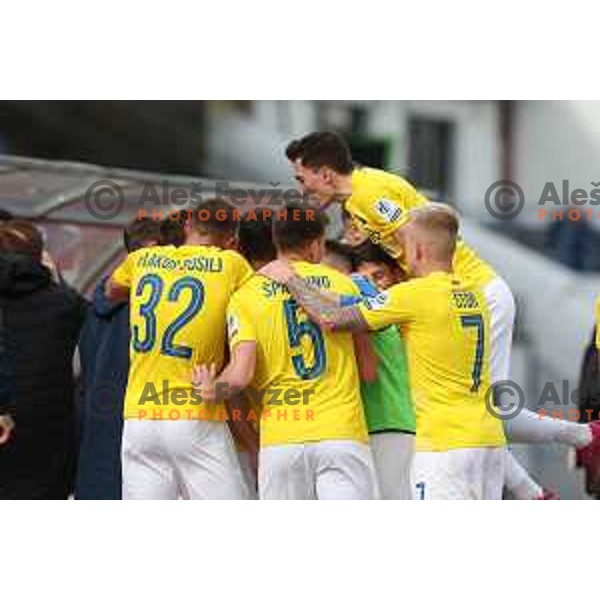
{"type": "Point", "coordinates": [589, 407]}
{"type": "Point", "coordinates": [104, 353]}
{"type": "Point", "coordinates": [40, 327]}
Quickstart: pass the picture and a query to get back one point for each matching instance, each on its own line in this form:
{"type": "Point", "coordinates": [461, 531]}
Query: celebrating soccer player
{"type": "Point", "coordinates": [445, 322]}
{"type": "Point", "coordinates": [379, 204]}
{"type": "Point", "coordinates": [313, 437]}
{"type": "Point", "coordinates": [174, 444]}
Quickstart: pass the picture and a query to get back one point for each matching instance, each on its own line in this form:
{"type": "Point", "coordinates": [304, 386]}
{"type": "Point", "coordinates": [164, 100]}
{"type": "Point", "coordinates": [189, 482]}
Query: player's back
{"type": "Point", "coordinates": [448, 338]}
{"type": "Point", "coordinates": [178, 303]}
{"type": "Point", "coordinates": [381, 202]}
{"type": "Point", "coordinates": [306, 377]}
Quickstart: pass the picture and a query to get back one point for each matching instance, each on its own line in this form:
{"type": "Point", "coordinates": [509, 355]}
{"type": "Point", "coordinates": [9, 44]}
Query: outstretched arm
{"type": "Point", "coordinates": [322, 307]}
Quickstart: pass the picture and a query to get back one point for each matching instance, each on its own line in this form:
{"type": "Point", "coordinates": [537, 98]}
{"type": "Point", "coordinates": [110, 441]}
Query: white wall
{"type": "Point", "coordinates": [476, 149]}
{"type": "Point", "coordinates": [260, 137]}
{"type": "Point", "coordinates": [556, 140]}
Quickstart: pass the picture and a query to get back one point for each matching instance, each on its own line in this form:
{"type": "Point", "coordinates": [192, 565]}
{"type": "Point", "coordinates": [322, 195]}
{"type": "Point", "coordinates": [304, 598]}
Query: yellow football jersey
{"type": "Point", "coordinates": [446, 327]}
{"type": "Point", "coordinates": [306, 379]}
{"type": "Point", "coordinates": [380, 203]}
{"type": "Point", "coordinates": [178, 303]}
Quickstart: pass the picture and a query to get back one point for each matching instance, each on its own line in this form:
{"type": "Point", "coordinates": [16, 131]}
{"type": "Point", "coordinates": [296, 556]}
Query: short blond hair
{"type": "Point", "coordinates": [437, 225]}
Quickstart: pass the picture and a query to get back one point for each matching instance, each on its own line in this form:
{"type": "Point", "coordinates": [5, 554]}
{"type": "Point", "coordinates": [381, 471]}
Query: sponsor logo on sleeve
{"type": "Point", "coordinates": [376, 302]}
{"type": "Point", "coordinates": [388, 210]}
{"type": "Point", "coordinates": [233, 326]}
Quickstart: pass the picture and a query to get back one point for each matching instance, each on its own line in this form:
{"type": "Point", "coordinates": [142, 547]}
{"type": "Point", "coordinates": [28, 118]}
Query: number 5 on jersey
{"type": "Point", "coordinates": [299, 330]}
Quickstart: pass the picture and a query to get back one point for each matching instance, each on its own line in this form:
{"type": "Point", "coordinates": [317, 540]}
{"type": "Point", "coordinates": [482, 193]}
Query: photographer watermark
{"type": "Point", "coordinates": [504, 199]}
{"type": "Point", "coordinates": [171, 401]}
{"type": "Point", "coordinates": [557, 201]}
{"type": "Point", "coordinates": [505, 400]}
{"type": "Point", "coordinates": [105, 199]}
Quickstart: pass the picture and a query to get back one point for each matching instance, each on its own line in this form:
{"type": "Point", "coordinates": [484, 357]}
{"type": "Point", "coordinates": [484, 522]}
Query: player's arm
{"type": "Point", "coordinates": [240, 425]}
{"type": "Point", "coordinates": [366, 358]}
{"type": "Point", "coordinates": [242, 336]}
{"type": "Point", "coordinates": [322, 307]}
{"type": "Point", "coordinates": [236, 376]}
{"type": "Point", "coordinates": [117, 286]}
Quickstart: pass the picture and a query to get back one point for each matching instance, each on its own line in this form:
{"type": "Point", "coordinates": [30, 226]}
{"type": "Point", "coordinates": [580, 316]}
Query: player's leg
{"type": "Point", "coordinates": [284, 473]}
{"type": "Point", "coordinates": [518, 482]}
{"type": "Point", "coordinates": [344, 470]}
{"type": "Point", "coordinates": [493, 472]}
{"type": "Point", "coordinates": [147, 470]}
{"type": "Point", "coordinates": [205, 460]}
{"type": "Point", "coordinates": [393, 455]}
{"type": "Point", "coordinates": [530, 428]}
{"type": "Point", "coordinates": [433, 480]}
{"type": "Point", "coordinates": [526, 427]}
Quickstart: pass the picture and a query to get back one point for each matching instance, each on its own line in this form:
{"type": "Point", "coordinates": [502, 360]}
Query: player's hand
{"type": "Point", "coordinates": [6, 427]}
{"type": "Point", "coordinates": [203, 380]}
{"type": "Point", "coordinates": [278, 270]}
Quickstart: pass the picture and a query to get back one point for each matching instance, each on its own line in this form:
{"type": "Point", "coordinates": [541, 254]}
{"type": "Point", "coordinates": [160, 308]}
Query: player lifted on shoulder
{"type": "Point", "coordinates": [314, 442]}
{"type": "Point", "coordinates": [460, 445]}
{"type": "Point", "coordinates": [173, 444]}
{"type": "Point", "coordinates": [379, 203]}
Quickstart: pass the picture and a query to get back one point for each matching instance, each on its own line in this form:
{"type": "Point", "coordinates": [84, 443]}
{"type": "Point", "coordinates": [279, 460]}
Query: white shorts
{"type": "Point", "coordinates": [393, 455]}
{"type": "Point", "coordinates": [463, 474]}
{"type": "Point", "coordinates": [165, 460]}
{"type": "Point", "coordinates": [328, 470]}
{"type": "Point", "coordinates": [501, 304]}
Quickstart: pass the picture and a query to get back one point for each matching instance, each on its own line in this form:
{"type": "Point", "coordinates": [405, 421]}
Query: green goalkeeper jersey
{"type": "Point", "coordinates": [387, 400]}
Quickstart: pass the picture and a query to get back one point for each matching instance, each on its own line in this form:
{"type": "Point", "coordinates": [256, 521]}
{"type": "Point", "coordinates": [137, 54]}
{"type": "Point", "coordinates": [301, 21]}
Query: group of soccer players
{"type": "Point", "coordinates": [360, 369]}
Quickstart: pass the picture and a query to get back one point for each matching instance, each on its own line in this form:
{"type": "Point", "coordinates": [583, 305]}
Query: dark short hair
{"type": "Point", "coordinates": [172, 231]}
{"type": "Point", "coordinates": [367, 252]}
{"type": "Point", "coordinates": [5, 215]}
{"type": "Point", "coordinates": [322, 149]}
{"type": "Point", "coordinates": [141, 233]}
{"type": "Point", "coordinates": [256, 236]}
{"type": "Point", "coordinates": [343, 251]}
{"type": "Point", "coordinates": [214, 216]}
{"type": "Point", "coordinates": [295, 226]}
{"type": "Point", "coordinates": [21, 237]}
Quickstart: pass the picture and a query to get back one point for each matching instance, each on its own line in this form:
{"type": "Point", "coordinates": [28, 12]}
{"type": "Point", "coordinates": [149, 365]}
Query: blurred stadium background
{"type": "Point", "coordinates": [51, 152]}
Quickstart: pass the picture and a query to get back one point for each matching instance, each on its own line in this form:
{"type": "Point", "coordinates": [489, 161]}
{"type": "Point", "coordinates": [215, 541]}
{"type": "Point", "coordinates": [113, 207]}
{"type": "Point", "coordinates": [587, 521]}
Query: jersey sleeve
{"type": "Point", "coordinates": [347, 290]}
{"type": "Point", "coordinates": [241, 326]}
{"type": "Point", "coordinates": [123, 274]}
{"type": "Point", "coordinates": [242, 271]}
{"type": "Point", "coordinates": [391, 209]}
{"type": "Point", "coordinates": [399, 304]}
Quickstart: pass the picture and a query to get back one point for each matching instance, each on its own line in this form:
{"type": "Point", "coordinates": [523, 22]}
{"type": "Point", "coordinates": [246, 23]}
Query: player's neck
{"type": "Point", "coordinates": [197, 239]}
{"type": "Point", "coordinates": [259, 264]}
{"type": "Point", "coordinates": [434, 267]}
{"type": "Point", "coordinates": [294, 255]}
